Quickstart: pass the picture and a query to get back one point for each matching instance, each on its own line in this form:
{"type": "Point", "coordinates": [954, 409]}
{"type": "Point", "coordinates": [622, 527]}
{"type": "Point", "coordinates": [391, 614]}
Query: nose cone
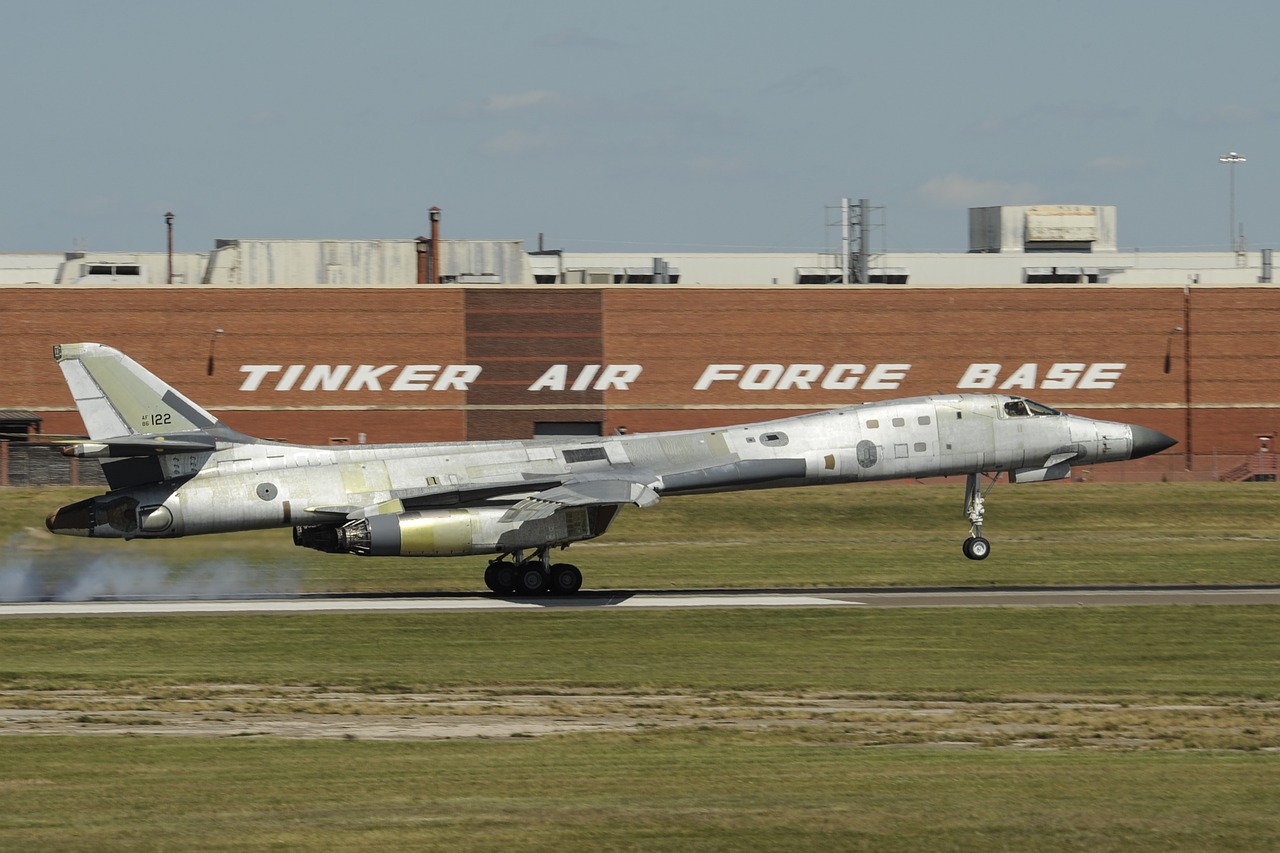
{"type": "Point", "coordinates": [1149, 441]}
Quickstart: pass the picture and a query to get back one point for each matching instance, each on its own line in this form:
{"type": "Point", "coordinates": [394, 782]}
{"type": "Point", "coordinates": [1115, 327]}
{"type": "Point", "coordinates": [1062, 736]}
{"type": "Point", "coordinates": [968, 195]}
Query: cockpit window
{"type": "Point", "coordinates": [1041, 408]}
{"type": "Point", "coordinates": [1019, 408]}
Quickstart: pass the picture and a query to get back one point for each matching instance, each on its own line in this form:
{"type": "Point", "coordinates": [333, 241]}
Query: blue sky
{"type": "Point", "coordinates": [640, 126]}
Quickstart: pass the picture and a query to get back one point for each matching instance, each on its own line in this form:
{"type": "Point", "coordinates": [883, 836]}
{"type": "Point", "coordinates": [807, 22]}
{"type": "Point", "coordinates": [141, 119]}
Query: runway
{"type": "Point", "coordinates": [1091, 596]}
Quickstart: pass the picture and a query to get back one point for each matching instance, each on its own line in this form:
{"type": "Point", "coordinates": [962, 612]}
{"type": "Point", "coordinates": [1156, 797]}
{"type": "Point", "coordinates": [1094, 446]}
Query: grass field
{"type": "Point", "coordinates": [695, 792]}
{"type": "Point", "coordinates": [1138, 728]}
{"type": "Point", "coordinates": [867, 535]}
{"type": "Point", "coordinates": [1147, 728]}
{"type": "Point", "coordinates": [1231, 652]}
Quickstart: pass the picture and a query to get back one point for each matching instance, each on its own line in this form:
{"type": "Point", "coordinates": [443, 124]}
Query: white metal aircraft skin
{"type": "Point", "coordinates": [175, 470]}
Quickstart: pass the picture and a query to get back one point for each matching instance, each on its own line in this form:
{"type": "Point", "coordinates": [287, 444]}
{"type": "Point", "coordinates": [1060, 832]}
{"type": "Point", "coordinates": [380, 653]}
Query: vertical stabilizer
{"type": "Point", "coordinates": [117, 397]}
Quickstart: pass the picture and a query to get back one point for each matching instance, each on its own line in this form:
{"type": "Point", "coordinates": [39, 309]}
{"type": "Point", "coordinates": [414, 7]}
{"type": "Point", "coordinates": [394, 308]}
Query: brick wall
{"type": "Point", "coordinates": [516, 334]}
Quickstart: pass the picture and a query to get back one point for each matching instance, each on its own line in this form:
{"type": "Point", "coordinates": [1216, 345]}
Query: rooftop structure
{"type": "Point", "coordinates": [1009, 246]}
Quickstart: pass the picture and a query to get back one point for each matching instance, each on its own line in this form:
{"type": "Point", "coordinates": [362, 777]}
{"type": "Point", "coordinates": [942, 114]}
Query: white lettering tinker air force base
{"type": "Point", "coordinates": [1058, 376]}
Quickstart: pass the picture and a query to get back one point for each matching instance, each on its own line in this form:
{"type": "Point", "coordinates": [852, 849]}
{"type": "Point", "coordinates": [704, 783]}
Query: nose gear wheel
{"type": "Point", "coordinates": [976, 547]}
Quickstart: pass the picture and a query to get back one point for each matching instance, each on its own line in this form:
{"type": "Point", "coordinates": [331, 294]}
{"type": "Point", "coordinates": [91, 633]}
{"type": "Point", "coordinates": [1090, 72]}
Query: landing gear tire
{"type": "Point", "coordinates": [531, 580]}
{"type": "Point", "coordinates": [500, 577]}
{"type": "Point", "coordinates": [566, 579]}
{"type": "Point", "coordinates": [976, 548]}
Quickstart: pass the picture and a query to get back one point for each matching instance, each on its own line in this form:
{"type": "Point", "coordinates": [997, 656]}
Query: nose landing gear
{"type": "Point", "coordinates": [976, 547]}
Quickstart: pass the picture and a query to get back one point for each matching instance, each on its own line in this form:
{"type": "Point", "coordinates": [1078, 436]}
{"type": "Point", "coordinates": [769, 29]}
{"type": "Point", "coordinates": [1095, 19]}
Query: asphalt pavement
{"type": "Point", "coordinates": [1091, 596]}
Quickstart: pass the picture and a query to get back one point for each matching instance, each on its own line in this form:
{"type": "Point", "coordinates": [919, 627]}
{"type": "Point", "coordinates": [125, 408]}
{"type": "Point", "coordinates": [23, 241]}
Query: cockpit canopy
{"type": "Point", "coordinates": [1021, 407]}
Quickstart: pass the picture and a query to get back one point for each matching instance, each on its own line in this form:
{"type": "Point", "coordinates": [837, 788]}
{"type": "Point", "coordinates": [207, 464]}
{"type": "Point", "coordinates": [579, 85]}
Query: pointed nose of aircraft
{"type": "Point", "coordinates": [1148, 441]}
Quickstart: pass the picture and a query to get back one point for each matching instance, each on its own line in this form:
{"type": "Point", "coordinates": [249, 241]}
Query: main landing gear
{"type": "Point", "coordinates": [975, 547]}
{"type": "Point", "coordinates": [515, 574]}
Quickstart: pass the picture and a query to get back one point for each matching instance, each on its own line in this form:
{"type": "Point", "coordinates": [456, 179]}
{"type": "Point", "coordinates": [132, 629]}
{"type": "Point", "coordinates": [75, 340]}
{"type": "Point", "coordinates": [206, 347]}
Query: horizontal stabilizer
{"type": "Point", "coordinates": [142, 445]}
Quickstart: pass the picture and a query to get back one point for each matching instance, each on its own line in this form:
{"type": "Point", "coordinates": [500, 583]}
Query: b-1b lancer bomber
{"type": "Point", "coordinates": [176, 470]}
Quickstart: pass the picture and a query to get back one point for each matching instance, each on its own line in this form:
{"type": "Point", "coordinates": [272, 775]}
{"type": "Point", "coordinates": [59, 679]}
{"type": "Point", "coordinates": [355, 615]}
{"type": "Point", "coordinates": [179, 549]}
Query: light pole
{"type": "Point", "coordinates": [1185, 331]}
{"type": "Point", "coordinates": [1231, 158]}
{"type": "Point", "coordinates": [168, 224]}
{"type": "Point", "coordinates": [213, 339]}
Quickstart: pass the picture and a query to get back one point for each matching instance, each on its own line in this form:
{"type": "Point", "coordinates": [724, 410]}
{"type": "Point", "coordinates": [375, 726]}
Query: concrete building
{"type": "Point", "coordinates": [1009, 247]}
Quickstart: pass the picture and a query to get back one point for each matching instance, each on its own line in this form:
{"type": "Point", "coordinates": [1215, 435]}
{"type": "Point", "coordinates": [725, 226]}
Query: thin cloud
{"type": "Point", "coordinates": [1235, 114]}
{"type": "Point", "coordinates": [990, 126]}
{"type": "Point", "coordinates": [260, 118]}
{"type": "Point", "coordinates": [1230, 115]}
{"type": "Point", "coordinates": [1114, 163]}
{"type": "Point", "coordinates": [93, 205]}
{"type": "Point", "coordinates": [575, 39]}
{"type": "Point", "coordinates": [516, 141]}
{"type": "Point", "coordinates": [718, 166]}
{"type": "Point", "coordinates": [817, 79]}
{"type": "Point", "coordinates": [1046, 116]}
{"type": "Point", "coordinates": [953, 190]}
{"type": "Point", "coordinates": [521, 100]}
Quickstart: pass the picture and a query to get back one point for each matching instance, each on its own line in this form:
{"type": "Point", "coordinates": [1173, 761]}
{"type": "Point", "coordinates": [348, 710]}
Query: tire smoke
{"type": "Point", "coordinates": [32, 570]}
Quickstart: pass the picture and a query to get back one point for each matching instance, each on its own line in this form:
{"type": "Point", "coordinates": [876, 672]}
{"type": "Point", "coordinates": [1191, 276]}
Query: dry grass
{"type": "Point", "coordinates": [850, 719]}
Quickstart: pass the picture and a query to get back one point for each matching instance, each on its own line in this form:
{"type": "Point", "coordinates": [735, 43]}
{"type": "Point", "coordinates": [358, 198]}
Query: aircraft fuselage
{"type": "Point", "coordinates": [176, 470]}
{"type": "Point", "coordinates": [244, 486]}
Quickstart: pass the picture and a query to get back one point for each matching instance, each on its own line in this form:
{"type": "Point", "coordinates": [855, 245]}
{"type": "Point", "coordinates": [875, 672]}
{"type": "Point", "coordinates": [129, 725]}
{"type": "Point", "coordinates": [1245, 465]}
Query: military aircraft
{"type": "Point", "coordinates": [176, 470]}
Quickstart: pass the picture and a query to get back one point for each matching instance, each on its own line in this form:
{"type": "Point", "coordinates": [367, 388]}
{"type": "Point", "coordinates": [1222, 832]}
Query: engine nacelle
{"type": "Point", "coordinates": [145, 514]}
{"type": "Point", "coordinates": [454, 532]}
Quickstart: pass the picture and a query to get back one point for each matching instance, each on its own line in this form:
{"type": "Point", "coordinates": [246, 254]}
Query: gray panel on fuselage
{"type": "Point", "coordinates": [966, 432]}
